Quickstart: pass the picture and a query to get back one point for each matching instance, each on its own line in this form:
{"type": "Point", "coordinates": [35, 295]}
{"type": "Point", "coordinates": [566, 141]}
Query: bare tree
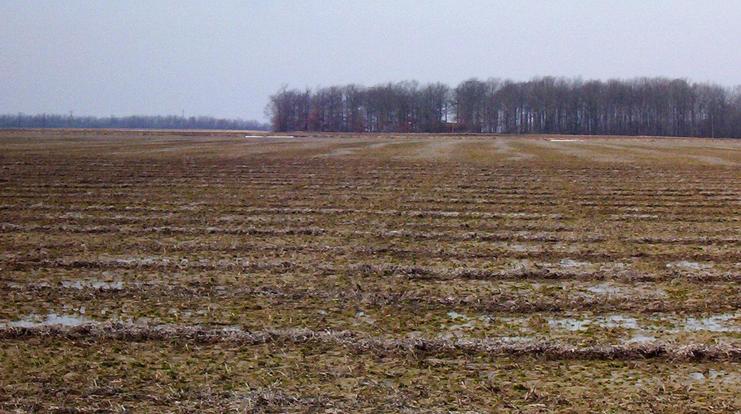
{"type": "Point", "coordinates": [643, 106]}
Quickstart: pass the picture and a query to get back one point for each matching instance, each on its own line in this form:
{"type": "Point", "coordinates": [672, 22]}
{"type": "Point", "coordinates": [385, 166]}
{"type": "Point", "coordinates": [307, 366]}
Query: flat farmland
{"type": "Point", "coordinates": [200, 271]}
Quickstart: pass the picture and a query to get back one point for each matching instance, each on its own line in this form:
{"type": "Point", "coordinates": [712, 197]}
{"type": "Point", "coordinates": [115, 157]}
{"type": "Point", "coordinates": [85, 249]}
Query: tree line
{"type": "Point", "coordinates": [549, 105]}
{"type": "Point", "coordinates": [135, 122]}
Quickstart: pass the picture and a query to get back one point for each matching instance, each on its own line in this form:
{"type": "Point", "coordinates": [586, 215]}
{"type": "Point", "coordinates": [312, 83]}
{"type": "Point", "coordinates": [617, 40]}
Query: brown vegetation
{"type": "Point", "coordinates": [154, 271]}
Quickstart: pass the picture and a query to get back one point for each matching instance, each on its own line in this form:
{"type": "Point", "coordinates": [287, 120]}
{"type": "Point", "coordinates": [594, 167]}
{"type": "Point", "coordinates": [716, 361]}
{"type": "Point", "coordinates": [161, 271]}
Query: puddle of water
{"type": "Point", "coordinates": [572, 263]}
{"type": "Point", "coordinates": [619, 321]}
{"type": "Point", "coordinates": [51, 319]}
{"type": "Point", "coordinates": [717, 376]}
{"type": "Point", "coordinates": [515, 338]}
{"type": "Point", "coordinates": [456, 315]}
{"type": "Point", "coordinates": [364, 317]}
{"type": "Point", "coordinates": [717, 323]}
{"type": "Point", "coordinates": [614, 266]}
{"type": "Point", "coordinates": [687, 265]}
{"type": "Point", "coordinates": [641, 329]}
{"type": "Point", "coordinates": [634, 216]}
{"type": "Point", "coordinates": [232, 328]}
{"type": "Point", "coordinates": [724, 323]}
{"type": "Point", "coordinates": [569, 324]}
{"type": "Point", "coordinates": [608, 289]}
{"type": "Point", "coordinates": [468, 322]}
{"type": "Point", "coordinates": [612, 321]}
{"type": "Point", "coordinates": [94, 284]}
{"type": "Point", "coordinates": [604, 289]}
{"type": "Point", "coordinates": [25, 285]}
{"type": "Point", "coordinates": [697, 377]}
{"type": "Point", "coordinates": [519, 248]}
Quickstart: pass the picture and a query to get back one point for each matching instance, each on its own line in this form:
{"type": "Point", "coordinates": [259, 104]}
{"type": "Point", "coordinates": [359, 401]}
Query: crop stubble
{"type": "Point", "coordinates": [157, 270]}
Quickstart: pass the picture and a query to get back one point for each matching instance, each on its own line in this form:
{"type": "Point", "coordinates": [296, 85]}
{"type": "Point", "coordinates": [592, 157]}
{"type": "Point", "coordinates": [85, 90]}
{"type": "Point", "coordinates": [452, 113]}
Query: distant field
{"type": "Point", "coordinates": [159, 271]}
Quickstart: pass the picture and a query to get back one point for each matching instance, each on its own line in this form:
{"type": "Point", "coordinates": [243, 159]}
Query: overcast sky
{"type": "Point", "coordinates": [224, 58]}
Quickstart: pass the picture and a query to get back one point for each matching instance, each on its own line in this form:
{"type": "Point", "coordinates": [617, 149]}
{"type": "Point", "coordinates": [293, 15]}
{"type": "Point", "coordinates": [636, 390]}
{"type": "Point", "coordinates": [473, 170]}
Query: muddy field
{"type": "Point", "coordinates": [163, 271]}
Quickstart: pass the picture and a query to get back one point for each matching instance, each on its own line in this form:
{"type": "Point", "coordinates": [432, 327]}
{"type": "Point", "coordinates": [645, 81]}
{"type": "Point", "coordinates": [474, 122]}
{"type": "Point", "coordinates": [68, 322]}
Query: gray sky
{"type": "Point", "coordinates": [224, 58]}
